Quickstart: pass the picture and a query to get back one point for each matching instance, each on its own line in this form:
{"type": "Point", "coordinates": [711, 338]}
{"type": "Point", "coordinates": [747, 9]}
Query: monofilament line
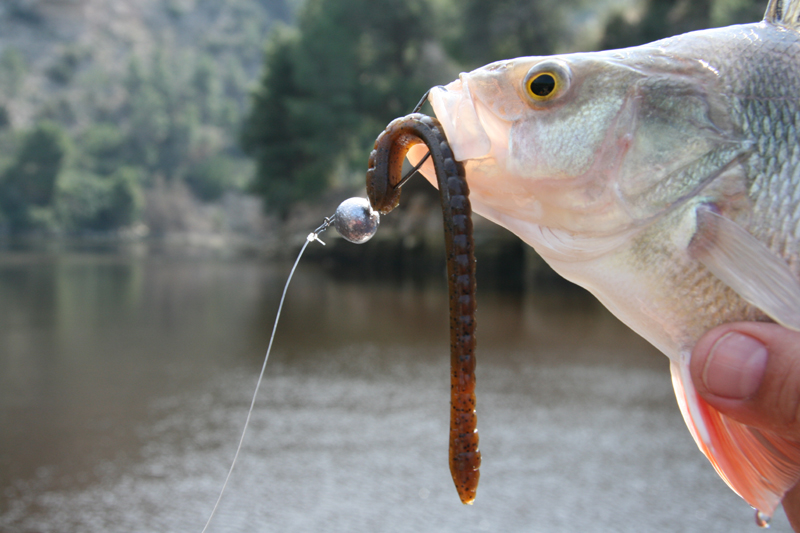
{"type": "Point", "coordinates": [311, 237]}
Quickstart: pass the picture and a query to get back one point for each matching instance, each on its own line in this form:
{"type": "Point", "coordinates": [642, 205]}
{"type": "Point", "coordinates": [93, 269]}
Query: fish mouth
{"type": "Point", "coordinates": [455, 108]}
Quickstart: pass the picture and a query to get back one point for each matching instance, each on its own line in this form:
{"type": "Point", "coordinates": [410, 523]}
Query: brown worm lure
{"type": "Point", "coordinates": [383, 179]}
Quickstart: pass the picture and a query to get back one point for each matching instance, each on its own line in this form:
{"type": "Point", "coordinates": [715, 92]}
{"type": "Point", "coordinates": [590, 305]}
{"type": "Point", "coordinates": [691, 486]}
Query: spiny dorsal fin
{"type": "Point", "coordinates": [784, 12]}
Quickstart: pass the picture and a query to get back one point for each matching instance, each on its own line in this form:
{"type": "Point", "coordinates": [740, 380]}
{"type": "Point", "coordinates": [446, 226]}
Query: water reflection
{"type": "Point", "coordinates": [125, 378]}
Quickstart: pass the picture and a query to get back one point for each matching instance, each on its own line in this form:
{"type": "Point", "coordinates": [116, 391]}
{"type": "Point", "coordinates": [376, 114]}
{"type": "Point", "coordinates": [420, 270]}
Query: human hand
{"type": "Point", "coordinates": [750, 371]}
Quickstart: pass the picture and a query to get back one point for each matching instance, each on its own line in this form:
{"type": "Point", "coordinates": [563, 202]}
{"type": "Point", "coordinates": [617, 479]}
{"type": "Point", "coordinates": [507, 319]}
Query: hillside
{"type": "Point", "coordinates": [131, 116]}
{"type": "Point", "coordinates": [68, 46]}
{"type": "Point", "coordinates": [155, 86]}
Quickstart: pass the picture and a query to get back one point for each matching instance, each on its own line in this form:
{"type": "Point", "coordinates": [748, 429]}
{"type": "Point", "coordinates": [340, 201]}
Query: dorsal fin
{"type": "Point", "coordinates": [783, 12]}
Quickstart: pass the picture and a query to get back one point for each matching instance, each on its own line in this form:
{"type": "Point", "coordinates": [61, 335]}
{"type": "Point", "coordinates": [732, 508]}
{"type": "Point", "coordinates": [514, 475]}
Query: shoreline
{"type": "Point", "coordinates": [409, 244]}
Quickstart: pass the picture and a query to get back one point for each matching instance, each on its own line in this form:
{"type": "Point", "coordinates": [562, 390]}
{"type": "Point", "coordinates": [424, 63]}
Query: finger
{"type": "Point", "coordinates": [750, 371]}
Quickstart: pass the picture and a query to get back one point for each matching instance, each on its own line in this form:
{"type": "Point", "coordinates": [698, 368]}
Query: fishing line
{"type": "Point", "coordinates": [425, 97]}
{"type": "Point", "coordinates": [260, 377]}
{"type": "Point", "coordinates": [417, 109]}
{"type": "Point", "coordinates": [355, 220]}
{"type": "Point", "coordinates": [413, 170]}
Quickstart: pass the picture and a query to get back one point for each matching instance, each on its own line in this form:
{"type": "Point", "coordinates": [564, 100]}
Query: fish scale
{"type": "Point", "coordinates": [776, 203]}
{"type": "Point", "coordinates": [665, 179]}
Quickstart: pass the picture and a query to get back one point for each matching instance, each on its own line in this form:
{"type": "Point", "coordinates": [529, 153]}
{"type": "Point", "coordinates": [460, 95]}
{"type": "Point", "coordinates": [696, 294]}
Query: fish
{"type": "Point", "coordinates": [664, 179]}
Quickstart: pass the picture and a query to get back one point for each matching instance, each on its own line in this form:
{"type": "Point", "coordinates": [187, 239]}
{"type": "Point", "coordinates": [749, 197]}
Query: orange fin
{"type": "Point", "coordinates": [758, 465]}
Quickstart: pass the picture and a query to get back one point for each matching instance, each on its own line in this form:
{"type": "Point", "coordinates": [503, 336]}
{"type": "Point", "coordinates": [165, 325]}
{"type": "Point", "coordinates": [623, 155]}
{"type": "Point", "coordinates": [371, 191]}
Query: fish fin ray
{"type": "Point", "coordinates": [783, 12]}
{"type": "Point", "coordinates": [747, 266]}
{"type": "Point", "coordinates": [758, 465]}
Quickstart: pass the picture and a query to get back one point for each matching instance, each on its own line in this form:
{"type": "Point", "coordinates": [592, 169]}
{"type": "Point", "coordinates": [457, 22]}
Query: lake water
{"type": "Point", "coordinates": [125, 379]}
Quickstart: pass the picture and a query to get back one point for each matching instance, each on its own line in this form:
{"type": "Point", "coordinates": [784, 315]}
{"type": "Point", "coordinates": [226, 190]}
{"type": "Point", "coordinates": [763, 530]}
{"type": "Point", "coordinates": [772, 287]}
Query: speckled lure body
{"type": "Point", "coordinates": [383, 177]}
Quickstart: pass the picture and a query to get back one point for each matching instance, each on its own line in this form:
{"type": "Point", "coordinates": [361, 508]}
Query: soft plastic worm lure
{"type": "Point", "coordinates": [384, 179]}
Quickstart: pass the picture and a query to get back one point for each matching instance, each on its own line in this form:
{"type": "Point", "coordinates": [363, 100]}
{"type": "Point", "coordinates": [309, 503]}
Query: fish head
{"type": "Point", "coordinates": [589, 145]}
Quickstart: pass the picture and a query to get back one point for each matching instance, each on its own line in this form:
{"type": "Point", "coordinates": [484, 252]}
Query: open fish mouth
{"type": "Point", "coordinates": [456, 110]}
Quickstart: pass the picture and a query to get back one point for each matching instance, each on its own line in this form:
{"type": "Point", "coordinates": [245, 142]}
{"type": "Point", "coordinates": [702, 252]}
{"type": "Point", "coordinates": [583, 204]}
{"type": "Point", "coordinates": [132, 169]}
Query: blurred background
{"type": "Point", "coordinates": [161, 162]}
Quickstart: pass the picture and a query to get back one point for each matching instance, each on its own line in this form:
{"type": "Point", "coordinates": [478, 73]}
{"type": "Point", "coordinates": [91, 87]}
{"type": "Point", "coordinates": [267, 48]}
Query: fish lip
{"type": "Point", "coordinates": [455, 108]}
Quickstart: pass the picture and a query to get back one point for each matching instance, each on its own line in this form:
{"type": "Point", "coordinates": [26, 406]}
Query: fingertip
{"type": "Point", "coordinates": [729, 362]}
{"type": "Point", "coordinates": [702, 350]}
{"type": "Point", "coordinates": [735, 366]}
{"type": "Point", "coordinates": [758, 382]}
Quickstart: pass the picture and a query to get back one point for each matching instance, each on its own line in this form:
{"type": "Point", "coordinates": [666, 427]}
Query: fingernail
{"type": "Point", "coordinates": [735, 366]}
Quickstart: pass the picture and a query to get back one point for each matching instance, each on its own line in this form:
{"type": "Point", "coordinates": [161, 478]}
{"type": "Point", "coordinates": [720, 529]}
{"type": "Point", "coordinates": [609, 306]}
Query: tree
{"type": "Point", "coordinates": [12, 72]}
{"type": "Point", "coordinates": [662, 18]}
{"type": "Point", "coordinates": [490, 30]}
{"type": "Point", "coordinates": [665, 18]}
{"type": "Point", "coordinates": [727, 12]}
{"type": "Point", "coordinates": [162, 116]}
{"type": "Point", "coordinates": [329, 88]}
{"type": "Point", "coordinates": [88, 201]}
{"type": "Point", "coordinates": [270, 133]}
{"type": "Point", "coordinates": [103, 148]}
{"type": "Point", "coordinates": [30, 180]}
{"type": "Point", "coordinates": [207, 89]}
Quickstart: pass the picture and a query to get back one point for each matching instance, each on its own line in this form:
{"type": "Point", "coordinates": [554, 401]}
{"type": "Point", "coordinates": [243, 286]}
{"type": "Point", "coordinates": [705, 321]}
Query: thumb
{"type": "Point", "coordinates": [750, 371]}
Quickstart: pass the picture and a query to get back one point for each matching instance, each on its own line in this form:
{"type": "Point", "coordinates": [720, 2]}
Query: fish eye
{"type": "Point", "coordinates": [542, 86]}
{"type": "Point", "coordinates": [546, 81]}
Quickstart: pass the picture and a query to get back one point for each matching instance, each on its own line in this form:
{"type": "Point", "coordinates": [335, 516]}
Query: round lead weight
{"type": "Point", "coordinates": [355, 220]}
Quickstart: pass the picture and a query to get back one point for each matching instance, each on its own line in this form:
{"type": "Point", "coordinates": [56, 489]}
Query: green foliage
{"type": "Point", "coordinates": [63, 70]}
{"type": "Point", "coordinates": [500, 29]}
{"type": "Point", "coordinates": [12, 72]}
{"type": "Point", "coordinates": [80, 196]}
{"type": "Point", "coordinates": [209, 178]}
{"type": "Point", "coordinates": [9, 146]}
{"type": "Point", "coordinates": [5, 117]}
{"type": "Point", "coordinates": [662, 18]}
{"type": "Point", "coordinates": [30, 180]}
{"type": "Point", "coordinates": [41, 190]}
{"type": "Point", "coordinates": [329, 87]}
{"type": "Point", "coordinates": [89, 201]}
{"type": "Point", "coordinates": [126, 198]}
{"type": "Point", "coordinates": [103, 148]}
{"type": "Point", "coordinates": [270, 132]}
{"type": "Point", "coordinates": [161, 116]}
{"type": "Point", "coordinates": [174, 114]}
{"type": "Point", "coordinates": [208, 89]}
{"type": "Point", "coordinates": [59, 111]}
{"type": "Point", "coordinates": [726, 12]}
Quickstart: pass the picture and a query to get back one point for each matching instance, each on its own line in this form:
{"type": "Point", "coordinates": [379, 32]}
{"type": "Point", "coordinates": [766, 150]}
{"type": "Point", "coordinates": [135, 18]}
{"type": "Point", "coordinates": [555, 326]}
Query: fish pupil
{"type": "Point", "coordinates": [543, 85]}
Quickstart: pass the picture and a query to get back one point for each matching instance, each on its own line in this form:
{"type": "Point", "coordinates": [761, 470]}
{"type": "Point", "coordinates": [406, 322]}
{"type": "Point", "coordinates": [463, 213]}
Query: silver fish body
{"type": "Point", "coordinates": [665, 179]}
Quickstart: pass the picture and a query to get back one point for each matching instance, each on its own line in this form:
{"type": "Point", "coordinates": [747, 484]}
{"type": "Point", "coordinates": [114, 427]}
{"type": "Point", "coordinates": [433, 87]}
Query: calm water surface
{"type": "Point", "coordinates": [125, 378]}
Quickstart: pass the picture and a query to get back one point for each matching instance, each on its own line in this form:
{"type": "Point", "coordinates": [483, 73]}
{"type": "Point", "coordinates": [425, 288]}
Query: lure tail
{"type": "Point", "coordinates": [758, 465]}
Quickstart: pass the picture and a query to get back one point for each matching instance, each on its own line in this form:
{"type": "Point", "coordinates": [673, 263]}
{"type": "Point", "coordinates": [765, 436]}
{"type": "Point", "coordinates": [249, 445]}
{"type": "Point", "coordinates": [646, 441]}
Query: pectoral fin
{"type": "Point", "coordinates": [759, 466]}
{"type": "Point", "coordinates": [747, 266]}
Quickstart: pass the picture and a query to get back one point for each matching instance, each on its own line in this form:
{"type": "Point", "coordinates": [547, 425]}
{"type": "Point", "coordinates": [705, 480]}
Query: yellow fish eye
{"type": "Point", "coordinates": [542, 86]}
{"type": "Point", "coordinates": [547, 80]}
